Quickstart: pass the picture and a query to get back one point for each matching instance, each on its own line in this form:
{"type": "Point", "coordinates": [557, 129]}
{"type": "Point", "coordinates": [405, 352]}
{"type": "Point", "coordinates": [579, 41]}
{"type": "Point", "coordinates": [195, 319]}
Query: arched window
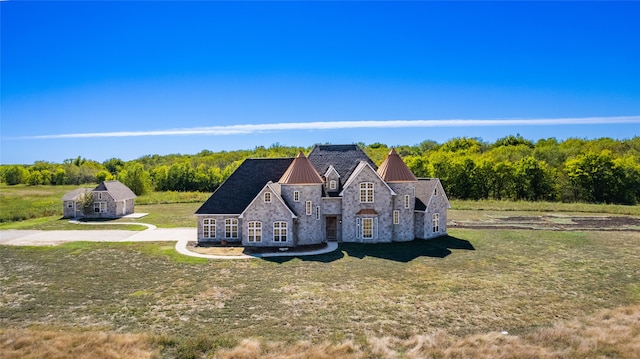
{"type": "Point", "coordinates": [279, 231]}
{"type": "Point", "coordinates": [209, 228]}
{"type": "Point", "coordinates": [231, 228]}
{"type": "Point", "coordinates": [366, 192]}
{"type": "Point", "coordinates": [255, 231]}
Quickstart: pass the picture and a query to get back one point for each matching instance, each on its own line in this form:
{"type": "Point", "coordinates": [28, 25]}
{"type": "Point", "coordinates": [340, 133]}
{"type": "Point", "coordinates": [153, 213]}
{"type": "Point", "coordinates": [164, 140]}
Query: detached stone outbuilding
{"type": "Point", "coordinates": [335, 194]}
{"type": "Point", "coordinates": [110, 199]}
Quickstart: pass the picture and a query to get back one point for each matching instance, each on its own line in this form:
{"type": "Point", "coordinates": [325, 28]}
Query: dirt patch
{"type": "Point", "coordinates": [235, 249]}
{"type": "Point", "coordinates": [553, 222]}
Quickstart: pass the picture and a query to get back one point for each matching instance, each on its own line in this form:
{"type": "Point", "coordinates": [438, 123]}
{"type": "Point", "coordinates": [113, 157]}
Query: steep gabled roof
{"type": "Point", "coordinates": [393, 169]}
{"type": "Point", "coordinates": [276, 191]}
{"type": "Point", "coordinates": [344, 158]}
{"type": "Point", "coordinates": [235, 194]}
{"type": "Point", "coordinates": [425, 188]}
{"type": "Point", "coordinates": [301, 171]}
{"type": "Point", "coordinates": [361, 167]}
{"type": "Point", "coordinates": [73, 195]}
{"type": "Point", "coordinates": [116, 189]}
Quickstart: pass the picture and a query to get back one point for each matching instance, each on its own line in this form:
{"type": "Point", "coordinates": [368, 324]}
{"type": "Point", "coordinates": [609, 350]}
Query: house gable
{"type": "Point", "coordinates": [364, 166]}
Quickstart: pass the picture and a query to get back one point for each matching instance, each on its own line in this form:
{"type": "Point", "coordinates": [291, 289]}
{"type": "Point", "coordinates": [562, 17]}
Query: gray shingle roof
{"type": "Point", "coordinates": [344, 158]}
{"type": "Point", "coordinates": [116, 189]}
{"type": "Point", "coordinates": [235, 194]}
{"type": "Point", "coordinates": [73, 195]}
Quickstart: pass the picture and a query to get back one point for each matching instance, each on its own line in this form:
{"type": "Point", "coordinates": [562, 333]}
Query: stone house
{"type": "Point", "coordinates": [110, 199]}
{"type": "Point", "coordinates": [335, 194]}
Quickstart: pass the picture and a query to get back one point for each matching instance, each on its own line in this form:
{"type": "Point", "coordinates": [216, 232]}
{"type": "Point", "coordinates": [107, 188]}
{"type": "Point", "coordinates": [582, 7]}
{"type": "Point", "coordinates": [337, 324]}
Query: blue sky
{"type": "Point", "coordinates": [127, 79]}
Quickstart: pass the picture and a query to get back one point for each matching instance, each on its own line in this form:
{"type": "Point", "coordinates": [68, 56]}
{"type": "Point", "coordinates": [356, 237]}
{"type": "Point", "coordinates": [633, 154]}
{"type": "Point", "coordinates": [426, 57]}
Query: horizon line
{"type": "Point", "coordinates": [334, 125]}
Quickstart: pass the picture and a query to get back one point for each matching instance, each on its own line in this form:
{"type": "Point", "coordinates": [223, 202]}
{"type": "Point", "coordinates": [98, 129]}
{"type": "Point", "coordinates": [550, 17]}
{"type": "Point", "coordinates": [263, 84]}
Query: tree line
{"type": "Point", "coordinates": [597, 171]}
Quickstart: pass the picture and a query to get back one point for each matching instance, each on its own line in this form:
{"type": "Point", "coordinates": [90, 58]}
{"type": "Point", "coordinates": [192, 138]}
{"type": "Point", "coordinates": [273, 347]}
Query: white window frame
{"type": "Point", "coordinates": [309, 207]}
{"type": "Point", "coordinates": [396, 217]}
{"type": "Point", "coordinates": [100, 207]}
{"type": "Point", "coordinates": [267, 197]}
{"type": "Point", "coordinates": [296, 196]}
{"type": "Point", "coordinates": [280, 231]}
{"type": "Point", "coordinates": [209, 228]}
{"type": "Point", "coordinates": [69, 204]}
{"type": "Point", "coordinates": [367, 228]}
{"type": "Point", "coordinates": [99, 195]}
{"type": "Point", "coordinates": [231, 228]}
{"type": "Point", "coordinates": [407, 201]}
{"type": "Point", "coordinates": [332, 184]}
{"type": "Point", "coordinates": [435, 219]}
{"type": "Point", "coordinates": [254, 232]}
{"type": "Point", "coordinates": [366, 192]}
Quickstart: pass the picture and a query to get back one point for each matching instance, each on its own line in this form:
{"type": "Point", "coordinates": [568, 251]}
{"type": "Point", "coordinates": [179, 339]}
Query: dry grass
{"type": "Point", "coordinates": [609, 334]}
{"type": "Point", "coordinates": [29, 343]}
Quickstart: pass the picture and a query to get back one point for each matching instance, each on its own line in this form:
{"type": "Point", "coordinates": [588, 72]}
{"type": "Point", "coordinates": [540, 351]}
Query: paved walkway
{"type": "Point", "coordinates": [181, 236]}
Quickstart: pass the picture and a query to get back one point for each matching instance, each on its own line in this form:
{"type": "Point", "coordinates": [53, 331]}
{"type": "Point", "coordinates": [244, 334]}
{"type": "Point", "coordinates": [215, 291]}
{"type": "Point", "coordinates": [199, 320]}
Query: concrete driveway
{"type": "Point", "coordinates": [179, 235]}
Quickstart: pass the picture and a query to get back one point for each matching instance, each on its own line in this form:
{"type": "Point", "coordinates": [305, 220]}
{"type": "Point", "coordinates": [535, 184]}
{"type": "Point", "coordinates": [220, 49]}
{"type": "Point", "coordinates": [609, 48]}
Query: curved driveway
{"type": "Point", "coordinates": [179, 235]}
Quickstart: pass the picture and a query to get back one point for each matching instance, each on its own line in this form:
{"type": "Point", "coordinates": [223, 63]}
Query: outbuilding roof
{"type": "Point", "coordinates": [235, 194]}
{"type": "Point", "coordinates": [73, 195]}
{"type": "Point", "coordinates": [116, 189]}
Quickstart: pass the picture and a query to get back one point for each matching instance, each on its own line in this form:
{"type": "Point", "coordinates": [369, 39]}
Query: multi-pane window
{"type": "Point", "coordinates": [367, 228]}
{"type": "Point", "coordinates": [100, 207]}
{"type": "Point", "coordinates": [407, 201]}
{"type": "Point", "coordinates": [231, 228]}
{"type": "Point", "coordinates": [396, 217]}
{"type": "Point", "coordinates": [436, 222]}
{"type": "Point", "coordinates": [255, 231]}
{"type": "Point", "coordinates": [333, 184]}
{"type": "Point", "coordinates": [366, 192]}
{"type": "Point", "coordinates": [435, 191]}
{"type": "Point", "coordinates": [296, 196]}
{"type": "Point", "coordinates": [267, 197]}
{"type": "Point", "coordinates": [279, 231]}
{"type": "Point", "coordinates": [308, 205]}
{"type": "Point", "coordinates": [209, 228]}
{"type": "Point", "coordinates": [317, 213]}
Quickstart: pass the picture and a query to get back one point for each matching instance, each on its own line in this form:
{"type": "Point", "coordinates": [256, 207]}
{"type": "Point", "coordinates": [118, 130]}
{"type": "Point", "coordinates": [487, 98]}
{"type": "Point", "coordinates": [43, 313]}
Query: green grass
{"type": "Point", "coordinates": [40, 207]}
{"type": "Point", "coordinates": [473, 282]}
{"type": "Point", "coordinates": [493, 205]}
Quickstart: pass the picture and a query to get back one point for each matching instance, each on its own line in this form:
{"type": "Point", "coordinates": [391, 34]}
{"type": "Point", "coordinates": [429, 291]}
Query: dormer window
{"type": "Point", "coordinates": [333, 184]}
{"type": "Point", "coordinates": [267, 197]}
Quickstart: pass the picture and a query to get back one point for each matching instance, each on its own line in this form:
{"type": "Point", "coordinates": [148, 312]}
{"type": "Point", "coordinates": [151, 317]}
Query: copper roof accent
{"type": "Point", "coordinates": [367, 211]}
{"type": "Point", "coordinates": [301, 171]}
{"type": "Point", "coordinates": [393, 169]}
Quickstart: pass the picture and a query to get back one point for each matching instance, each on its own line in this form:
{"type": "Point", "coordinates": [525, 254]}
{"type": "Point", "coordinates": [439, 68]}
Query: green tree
{"type": "Point", "coordinates": [14, 175]}
{"type": "Point", "coordinates": [136, 178]}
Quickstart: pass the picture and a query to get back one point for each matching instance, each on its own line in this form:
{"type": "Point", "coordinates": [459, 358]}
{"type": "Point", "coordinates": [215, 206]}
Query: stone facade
{"type": "Point", "coordinates": [351, 204]}
{"type": "Point", "coordinates": [110, 199]}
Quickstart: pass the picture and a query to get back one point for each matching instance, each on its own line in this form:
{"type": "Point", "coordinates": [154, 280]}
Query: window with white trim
{"type": "Point", "coordinates": [367, 228]}
{"type": "Point", "coordinates": [267, 197]}
{"type": "Point", "coordinates": [209, 228]}
{"type": "Point", "coordinates": [309, 206]}
{"type": "Point", "coordinates": [255, 231]}
{"type": "Point", "coordinates": [69, 204]}
{"type": "Point", "coordinates": [366, 192]}
{"type": "Point", "coordinates": [296, 196]}
{"type": "Point", "coordinates": [407, 201]}
{"type": "Point", "coordinates": [279, 231]}
{"type": "Point", "coordinates": [396, 217]}
{"type": "Point", "coordinates": [436, 222]}
{"type": "Point", "coordinates": [99, 195]}
{"type": "Point", "coordinates": [333, 184]}
{"type": "Point", "coordinates": [317, 213]}
{"type": "Point", "coordinates": [100, 207]}
{"type": "Point", "coordinates": [231, 228]}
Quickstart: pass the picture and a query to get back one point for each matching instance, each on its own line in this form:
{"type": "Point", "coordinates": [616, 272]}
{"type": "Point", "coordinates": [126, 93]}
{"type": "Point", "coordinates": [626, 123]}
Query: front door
{"type": "Point", "coordinates": [331, 227]}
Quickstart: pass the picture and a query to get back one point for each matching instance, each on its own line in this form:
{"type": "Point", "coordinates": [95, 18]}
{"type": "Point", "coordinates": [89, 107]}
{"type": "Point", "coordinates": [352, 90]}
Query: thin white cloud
{"type": "Point", "coordinates": [333, 125]}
